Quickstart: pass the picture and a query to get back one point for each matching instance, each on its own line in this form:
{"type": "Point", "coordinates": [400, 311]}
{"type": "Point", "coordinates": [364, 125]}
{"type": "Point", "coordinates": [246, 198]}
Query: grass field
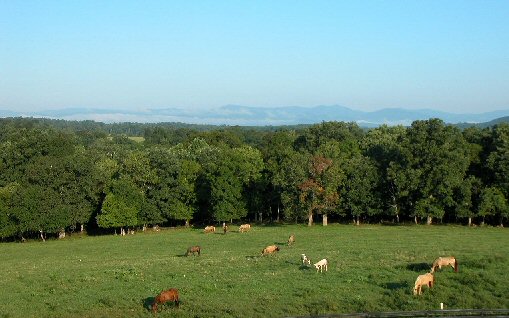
{"type": "Point", "coordinates": [371, 268]}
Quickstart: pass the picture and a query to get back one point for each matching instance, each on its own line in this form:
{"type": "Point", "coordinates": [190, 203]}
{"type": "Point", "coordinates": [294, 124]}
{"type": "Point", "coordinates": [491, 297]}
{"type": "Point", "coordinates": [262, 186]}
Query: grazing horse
{"type": "Point", "coordinates": [209, 229]}
{"type": "Point", "coordinates": [445, 261]}
{"type": "Point", "coordinates": [321, 265]}
{"type": "Point", "coordinates": [244, 228]}
{"type": "Point", "coordinates": [193, 249]}
{"type": "Point", "coordinates": [424, 279]}
{"type": "Point", "coordinates": [305, 260]}
{"type": "Point", "coordinates": [165, 296]}
{"type": "Point", "coordinates": [291, 240]}
{"type": "Point", "coordinates": [270, 249]}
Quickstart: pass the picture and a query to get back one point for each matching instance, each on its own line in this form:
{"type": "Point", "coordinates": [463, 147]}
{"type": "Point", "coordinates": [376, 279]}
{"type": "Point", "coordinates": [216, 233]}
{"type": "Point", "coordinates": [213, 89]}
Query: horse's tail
{"type": "Point", "coordinates": [455, 265]}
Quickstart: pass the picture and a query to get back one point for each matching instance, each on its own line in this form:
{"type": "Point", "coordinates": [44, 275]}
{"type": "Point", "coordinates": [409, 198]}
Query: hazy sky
{"type": "Point", "coordinates": [367, 55]}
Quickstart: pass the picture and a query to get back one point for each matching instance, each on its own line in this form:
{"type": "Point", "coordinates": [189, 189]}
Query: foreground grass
{"type": "Point", "coordinates": [371, 268]}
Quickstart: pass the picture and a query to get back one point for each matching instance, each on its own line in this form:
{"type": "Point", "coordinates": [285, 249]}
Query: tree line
{"type": "Point", "coordinates": [69, 176]}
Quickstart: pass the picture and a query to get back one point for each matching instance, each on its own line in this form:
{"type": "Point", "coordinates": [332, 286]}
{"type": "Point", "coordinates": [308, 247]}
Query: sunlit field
{"type": "Point", "coordinates": [371, 268]}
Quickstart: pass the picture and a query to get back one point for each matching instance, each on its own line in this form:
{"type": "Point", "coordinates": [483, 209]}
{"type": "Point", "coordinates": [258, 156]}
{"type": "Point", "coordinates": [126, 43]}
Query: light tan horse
{"type": "Point", "coordinates": [425, 279]}
{"type": "Point", "coordinates": [244, 228]}
{"type": "Point", "coordinates": [291, 240]}
{"type": "Point", "coordinates": [445, 261]}
{"type": "Point", "coordinates": [209, 229]}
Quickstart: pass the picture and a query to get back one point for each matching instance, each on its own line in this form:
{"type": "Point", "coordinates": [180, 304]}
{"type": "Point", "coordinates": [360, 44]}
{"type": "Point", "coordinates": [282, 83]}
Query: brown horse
{"type": "Point", "coordinates": [193, 249]}
{"type": "Point", "coordinates": [425, 279]}
{"type": "Point", "coordinates": [270, 249]}
{"type": "Point", "coordinates": [445, 261]}
{"type": "Point", "coordinates": [165, 296]}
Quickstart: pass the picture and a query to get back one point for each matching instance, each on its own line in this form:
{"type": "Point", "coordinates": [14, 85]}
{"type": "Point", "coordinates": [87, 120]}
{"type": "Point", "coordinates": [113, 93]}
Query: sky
{"type": "Point", "coordinates": [365, 55]}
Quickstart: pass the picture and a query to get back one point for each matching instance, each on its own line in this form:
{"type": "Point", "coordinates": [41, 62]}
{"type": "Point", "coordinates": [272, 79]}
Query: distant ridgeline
{"type": "Point", "coordinates": [58, 175]}
{"type": "Point", "coordinates": [139, 129]}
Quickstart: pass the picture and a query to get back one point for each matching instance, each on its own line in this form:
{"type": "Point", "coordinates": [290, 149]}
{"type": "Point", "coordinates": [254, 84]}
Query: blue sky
{"type": "Point", "coordinates": [366, 55]}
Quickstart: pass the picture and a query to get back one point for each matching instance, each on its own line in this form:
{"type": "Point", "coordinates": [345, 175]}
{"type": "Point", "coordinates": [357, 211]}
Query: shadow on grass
{"type": "Point", "coordinates": [419, 267]}
{"type": "Point", "coordinates": [293, 263]}
{"type": "Point", "coordinates": [396, 285]}
{"type": "Point", "coordinates": [304, 267]}
{"type": "Point", "coordinates": [147, 303]}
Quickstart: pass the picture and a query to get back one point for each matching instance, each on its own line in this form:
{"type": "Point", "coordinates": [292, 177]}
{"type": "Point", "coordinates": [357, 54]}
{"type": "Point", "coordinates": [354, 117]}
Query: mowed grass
{"type": "Point", "coordinates": [371, 268]}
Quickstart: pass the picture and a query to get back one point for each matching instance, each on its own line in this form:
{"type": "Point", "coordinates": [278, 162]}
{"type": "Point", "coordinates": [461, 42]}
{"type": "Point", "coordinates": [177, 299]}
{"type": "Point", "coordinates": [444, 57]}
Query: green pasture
{"type": "Point", "coordinates": [371, 268]}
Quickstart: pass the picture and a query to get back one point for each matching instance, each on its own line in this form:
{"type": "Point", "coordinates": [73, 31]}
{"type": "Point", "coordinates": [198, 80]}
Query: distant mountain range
{"type": "Point", "coordinates": [261, 116]}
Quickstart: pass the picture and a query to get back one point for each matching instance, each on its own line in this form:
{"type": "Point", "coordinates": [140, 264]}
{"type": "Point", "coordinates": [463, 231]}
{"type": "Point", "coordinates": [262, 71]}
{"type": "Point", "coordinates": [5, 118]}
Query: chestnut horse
{"type": "Point", "coordinates": [445, 261]}
{"type": "Point", "coordinates": [425, 279]}
{"type": "Point", "coordinates": [270, 249]}
{"type": "Point", "coordinates": [165, 296]}
{"type": "Point", "coordinates": [193, 249]}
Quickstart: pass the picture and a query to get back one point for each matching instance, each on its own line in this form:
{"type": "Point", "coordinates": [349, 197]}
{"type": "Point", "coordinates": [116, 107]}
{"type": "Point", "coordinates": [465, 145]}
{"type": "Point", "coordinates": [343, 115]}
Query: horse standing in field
{"type": "Point", "coordinates": [321, 265]}
{"type": "Point", "coordinates": [270, 249]}
{"type": "Point", "coordinates": [422, 280]}
{"type": "Point", "coordinates": [291, 240]}
{"type": "Point", "coordinates": [305, 260]}
{"type": "Point", "coordinates": [192, 250]}
{"type": "Point", "coordinates": [225, 228]}
{"type": "Point", "coordinates": [244, 228]}
{"type": "Point", "coordinates": [209, 229]}
{"type": "Point", "coordinates": [445, 261]}
{"type": "Point", "coordinates": [165, 296]}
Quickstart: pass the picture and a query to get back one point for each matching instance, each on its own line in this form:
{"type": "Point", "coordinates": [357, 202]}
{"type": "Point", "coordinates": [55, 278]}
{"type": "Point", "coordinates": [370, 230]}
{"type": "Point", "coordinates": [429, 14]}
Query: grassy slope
{"type": "Point", "coordinates": [371, 268]}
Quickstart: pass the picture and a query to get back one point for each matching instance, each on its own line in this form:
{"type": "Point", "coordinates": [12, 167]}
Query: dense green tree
{"type": "Point", "coordinates": [8, 224]}
{"type": "Point", "coordinates": [384, 145]}
{"type": "Point", "coordinates": [439, 160]}
{"type": "Point", "coordinates": [40, 209]}
{"type": "Point", "coordinates": [286, 169]}
{"type": "Point", "coordinates": [174, 193]}
{"type": "Point", "coordinates": [121, 205]}
{"type": "Point", "coordinates": [231, 174]}
{"type": "Point", "coordinates": [498, 159]}
{"type": "Point", "coordinates": [359, 196]}
{"type": "Point", "coordinates": [493, 203]}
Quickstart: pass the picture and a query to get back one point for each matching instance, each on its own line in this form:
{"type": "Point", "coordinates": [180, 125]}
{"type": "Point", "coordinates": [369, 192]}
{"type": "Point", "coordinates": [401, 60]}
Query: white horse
{"type": "Point", "coordinates": [321, 265]}
{"type": "Point", "coordinates": [305, 260]}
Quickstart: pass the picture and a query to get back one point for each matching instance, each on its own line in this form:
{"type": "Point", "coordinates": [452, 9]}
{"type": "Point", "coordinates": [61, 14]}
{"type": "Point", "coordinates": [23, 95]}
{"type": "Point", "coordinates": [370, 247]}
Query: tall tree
{"type": "Point", "coordinates": [359, 195]}
{"type": "Point", "coordinates": [121, 205]}
{"type": "Point", "coordinates": [439, 160]}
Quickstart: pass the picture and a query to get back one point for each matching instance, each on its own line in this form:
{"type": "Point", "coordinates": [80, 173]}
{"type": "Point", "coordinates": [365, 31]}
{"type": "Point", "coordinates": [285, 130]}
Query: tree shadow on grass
{"type": "Point", "coordinates": [419, 267]}
{"type": "Point", "coordinates": [396, 285]}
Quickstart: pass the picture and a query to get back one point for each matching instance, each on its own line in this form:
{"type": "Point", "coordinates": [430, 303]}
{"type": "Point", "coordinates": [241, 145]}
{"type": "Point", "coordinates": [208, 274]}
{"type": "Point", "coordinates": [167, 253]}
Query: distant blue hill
{"type": "Point", "coordinates": [261, 116]}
